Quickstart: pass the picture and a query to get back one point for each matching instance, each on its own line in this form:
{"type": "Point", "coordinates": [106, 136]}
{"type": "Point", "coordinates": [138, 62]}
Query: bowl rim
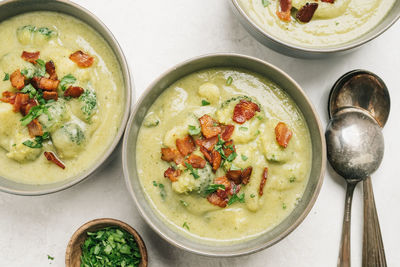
{"type": "Point", "coordinates": [127, 174]}
{"type": "Point", "coordinates": [312, 50]}
{"type": "Point", "coordinates": [111, 222]}
{"type": "Point", "coordinates": [129, 90]}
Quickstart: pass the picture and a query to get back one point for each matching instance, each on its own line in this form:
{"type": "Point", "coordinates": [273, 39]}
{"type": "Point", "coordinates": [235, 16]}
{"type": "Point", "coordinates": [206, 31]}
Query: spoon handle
{"type": "Point", "coordinates": [344, 251]}
{"type": "Point", "coordinates": [373, 251]}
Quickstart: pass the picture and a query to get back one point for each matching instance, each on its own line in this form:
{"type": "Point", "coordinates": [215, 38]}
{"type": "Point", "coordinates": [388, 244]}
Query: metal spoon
{"type": "Point", "coordinates": [365, 90]}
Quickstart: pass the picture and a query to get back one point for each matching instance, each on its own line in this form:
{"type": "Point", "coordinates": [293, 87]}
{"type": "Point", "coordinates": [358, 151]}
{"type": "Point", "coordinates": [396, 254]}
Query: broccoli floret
{"type": "Point", "coordinates": [89, 103]}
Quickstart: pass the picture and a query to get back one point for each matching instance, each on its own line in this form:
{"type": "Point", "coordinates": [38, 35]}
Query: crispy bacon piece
{"type": "Point", "coordinates": [209, 127]}
{"type": "Point", "coordinates": [284, 12]}
{"type": "Point", "coordinates": [172, 174]}
{"type": "Point", "coordinates": [17, 79]}
{"type": "Point", "coordinates": [328, 1]}
{"type": "Point", "coordinates": [216, 200]}
{"type": "Point", "coordinates": [207, 155]}
{"type": "Point", "coordinates": [224, 181]}
{"type": "Point", "coordinates": [51, 157]}
{"type": "Point", "coordinates": [283, 134]}
{"type": "Point", "coordinates": [196, 161]}
{"type": "Point", "coordinates": [35, 128]}
{"type": "Point", "coordinates": [82, 59]}
{"type": "Point", "coordinates": [227, 131]}
{"type": "Point", "coordinates": [244, 111]}
{"type": "Point", "coordinates": [8, 97]}
{"type": "Point", "coordinates": [263, 181]}
{"type": "Point", "coordinates": [240, 176]}
{"type": "Point", "coordinates": [25, 109]}
{"type": "Point", "coordinates": [207, 143]}
{"type": "Point", "coordinates": [171, 154]}
{"type": "Point", "coordinates": [74, 91]}
{"type": "Point", "coordinates": [51, 70]}
{"type": "Point", "coordinates": [185, 145]}
{"type": "Point", "coordinates": [50, 95]}
{"type": "Point", "coordinates": [20, 101]}
{"type": "Point", "coordinates": [306, 12]}
{"type": "Point", "coordinates": [216, 160]}
{"type": "Point", "coordinates": [45, 83]}
{"type": "Point", "coordinates": [30, 56]}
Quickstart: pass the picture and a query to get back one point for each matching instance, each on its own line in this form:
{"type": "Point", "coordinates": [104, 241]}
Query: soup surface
{"type": "Point", "coordinates": [61, 97]}
{"type": "Point", "coordinates": [223, 155]}
{"type": "Point", "coordinates": [331, 23]}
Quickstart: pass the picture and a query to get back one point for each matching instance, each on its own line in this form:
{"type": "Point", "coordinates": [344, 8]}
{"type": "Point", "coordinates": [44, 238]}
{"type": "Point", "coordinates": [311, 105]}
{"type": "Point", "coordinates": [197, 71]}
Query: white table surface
{"type": "Point", "coordinates": [157, 34]}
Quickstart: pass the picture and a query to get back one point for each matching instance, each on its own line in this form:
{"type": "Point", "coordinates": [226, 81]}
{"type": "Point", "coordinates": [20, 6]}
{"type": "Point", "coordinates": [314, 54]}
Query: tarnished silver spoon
{"type": "Point", "coordinates": [368, 94]}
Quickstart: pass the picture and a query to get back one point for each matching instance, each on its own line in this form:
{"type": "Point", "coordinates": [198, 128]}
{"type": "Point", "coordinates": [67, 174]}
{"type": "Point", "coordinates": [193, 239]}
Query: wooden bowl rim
{"type": "Point", "coordinates": [110, 222]}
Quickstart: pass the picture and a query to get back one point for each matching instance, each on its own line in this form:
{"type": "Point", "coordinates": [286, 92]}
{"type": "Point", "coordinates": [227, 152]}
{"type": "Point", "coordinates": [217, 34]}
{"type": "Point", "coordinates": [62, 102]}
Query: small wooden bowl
{"type": "Point", "coordinates": [74, 250]}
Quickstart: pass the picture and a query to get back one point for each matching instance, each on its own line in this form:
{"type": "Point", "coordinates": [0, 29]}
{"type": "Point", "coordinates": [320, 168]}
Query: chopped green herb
{"type": "Point", "coordinates": [40, 68]}
{"type": "Point", "coordinates": [259, 117]}
{"type": "Point", "coordinates": [220, 146]}
{"type": "Point", "coordinates": [155, 183]}
{"type": "Point", "coordinates": [211, 188]}
{"type": "Point", "coordinates": [66, 80]}
{"type": "Point", "coordinates": [193, 171]}
{"type": "Point", "coordinates": [6, 76]}
{"type": "Point", "coordinates": [283, 206]}
{"type": "Point", "coordinates": [34, 112]}
{"type": "Point", "coordinates": [110, 246]}
{"type": "Point", "coordinates": [234, 198]}
{"type": "Point", "coordinates": [243, 128]}
{"type": "Point", "coordinates": [193, 130]}
{"type": "Point", "coordinates": [265, 3]}
{"type": "Point", "coordinates": [46, 31]}
{"type": "Point", "coordinates": [337, 23]}
{"type": "Point", "coordinates": [50, 257]}
{"type": "Point", "coordinates": [163, 193]}
{"type": "Point", "coordinates": [257, 132]}
{"type": "Point", "coordinates": [185, 225]}
{"type": "Point", "coordinates": [29, 89]}
{"type": "Point", "coordinates": [229, 80]}
{"type": "Point", "coordinates": [184, 203]}
{"type": "Point", "coordinates": [14, 145]}
{"type": "Point", "coordinates": [232, 156]}
{"type": "Point", "coordinates": [252, 196]}
{"type": "Point", "coordinates": [89, 100]}
{"type": "Point", "coordinates": [38, 141]}
{"type": "Point", "coordinates": [292, 179]}
{"type": "Point", "coordinates": [244, 158]}
{"type": "Point", "coordinates": [28, 73]}
{"type": "Point", "coordinates": [205, 102]}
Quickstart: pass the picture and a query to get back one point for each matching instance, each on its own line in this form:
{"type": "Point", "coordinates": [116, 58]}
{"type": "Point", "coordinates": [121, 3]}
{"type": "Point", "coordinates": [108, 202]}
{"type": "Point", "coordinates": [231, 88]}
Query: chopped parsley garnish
{"type": "Point", "coordinates": [236, 198]}
{"type": "Point", "coordinates": [110, 246]}
{"type": "Point", "coordinates": [252, 196]}
{"type": "Point", "coordinates": [257, 132]}
{"type": "Point", "coordinates": [66, 80]}
{"type": "Point", "coordinates": [40, 68]}
{"type": "Point", "coordinates": [185, 225]}
{"type": "Point", "coordinates": [220, 146]}
{"type": "Point", "coordinates": [242, 128]}
{"type": "Point", "coordinates": [231, 156]}
{"type": "Point", "coordinates": [283, 206]}
{"type": "Point", "coordinates": [244, 157]}
{"type": "Point", "coordinates": [193, 130]}
{"type": "Point", "coordinates": [184, 203]}
{"type": "Point", "coordinates": [38, 141]}
{"type": "Point", "coordinates": [259, 117]}
{"type": "Point", "coordinates": [193, 171]}
{"type": "Point", "coordinates": [50, 257]}
{"type": "Point", "coordinates": [229, 80]}
{"type": "Point", "coordinates": [292, 179]}
{"type": "Point", "coordinates": [46, 31]}
{"type": "Point", "coordinates": [205, 102]}
{"type": "Point", "coordinates": [34, 112]}
{"type": "Point", "coordinates": [6, 76]}
{"type": "Point", "coordinates": [29, 89]}
{"type": "Point", "coordinates": [211, 188]}
{"type": "Point", "coordinates": [265, 3]}
{"type": "Point", "coordinates": [163, 193]}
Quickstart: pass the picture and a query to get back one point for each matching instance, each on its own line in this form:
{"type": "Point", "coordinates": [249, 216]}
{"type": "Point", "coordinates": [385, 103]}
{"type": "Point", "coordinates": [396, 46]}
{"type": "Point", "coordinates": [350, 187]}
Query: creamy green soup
{"type": "Point", "coordinates": [76, 129]}
{"type": "Point", "coordinates": [332, 23]}
{"type": "Point", "coordinates": [187, 202]}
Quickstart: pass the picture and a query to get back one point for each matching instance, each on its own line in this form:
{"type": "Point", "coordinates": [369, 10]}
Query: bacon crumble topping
{"type": "Point", "coordinates": [17, 79]}
{"type": "Point", "coordinates": [172, 174]}
{"type": "Point", "coordinates": [185, 145]}
{"type": "Point", "coordinates": [74, 91]}
{"type": "Point", "coordinates": [244, 111]}
{"type": "Point", "coordinates": [50, 156]}
{"type": "Point", "coordinates": [284, 12]}
{"type": "Point", "coordinates": [306, 12]}
{"type": "Point", "coordinates": [30, 56]}
{"type": "Point", "coordinates": [82, 59]}
{"type": "Point", "coordinates": [263, 181]}
{"type": "Point", "coordinates": [283, 134]}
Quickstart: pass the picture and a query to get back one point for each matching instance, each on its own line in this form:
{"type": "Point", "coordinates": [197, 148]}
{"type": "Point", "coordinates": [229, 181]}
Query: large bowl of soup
{"type": "Point", "coordinates": [314, 29]}
{"type": "Point", "coordinates": [65, 95]}
{"type": "Point", "coordinates": [224, 155]}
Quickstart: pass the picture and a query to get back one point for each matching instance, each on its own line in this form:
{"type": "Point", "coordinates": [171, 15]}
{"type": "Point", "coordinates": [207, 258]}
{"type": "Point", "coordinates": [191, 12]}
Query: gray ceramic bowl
{"type": "Point", "coordinates": [12, 8]}
{"type": "Point", "coordinates": [224, 60]}
{"type": "Point", "coordinates": [306, 52]}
